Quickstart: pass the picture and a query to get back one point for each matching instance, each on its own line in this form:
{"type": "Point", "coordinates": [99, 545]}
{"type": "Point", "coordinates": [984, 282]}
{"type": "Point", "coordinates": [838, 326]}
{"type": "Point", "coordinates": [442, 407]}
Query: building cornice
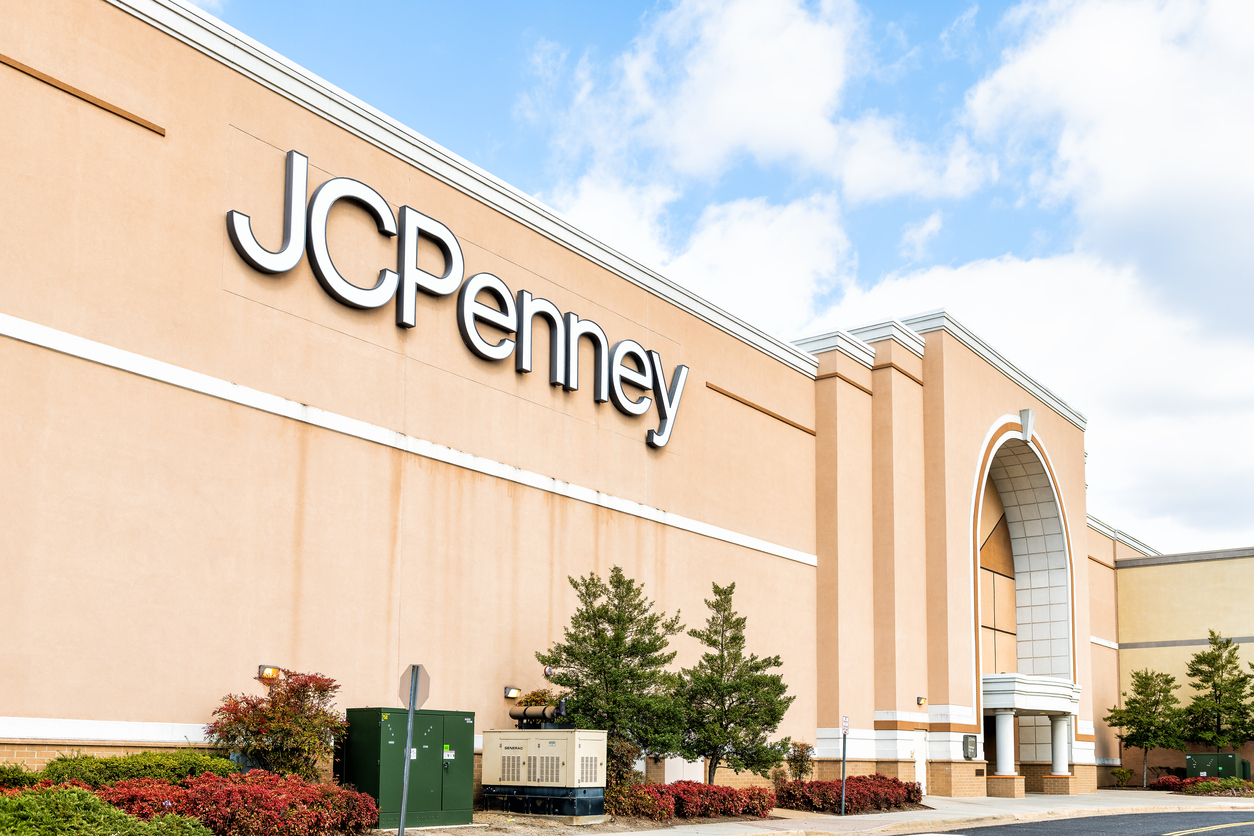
{"type": "Point", "coordinates": [1121, 536]}
{"type": "Point", "coordinates": [842, 341]}
{"type": "Point", "coordinates": [891, 329]}
{"type": "Point", "coordinates": [939, 320]}
{"type": "Point", "coordinates": [212, 37]}
{"type": "Point", "coordinates": [1185, 557]}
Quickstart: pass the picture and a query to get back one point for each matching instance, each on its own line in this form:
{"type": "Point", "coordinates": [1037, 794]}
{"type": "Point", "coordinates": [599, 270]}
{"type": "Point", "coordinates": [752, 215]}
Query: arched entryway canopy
{"type": "Point", "coordinates": [1025, 553]}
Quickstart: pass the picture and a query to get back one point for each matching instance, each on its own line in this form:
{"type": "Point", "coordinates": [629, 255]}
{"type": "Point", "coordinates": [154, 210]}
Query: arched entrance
{"type": "Point", "coordinates": [1026, 624]}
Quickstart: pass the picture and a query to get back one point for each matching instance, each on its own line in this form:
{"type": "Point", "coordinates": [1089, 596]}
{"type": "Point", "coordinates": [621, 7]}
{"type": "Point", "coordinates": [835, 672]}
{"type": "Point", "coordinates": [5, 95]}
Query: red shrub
{"type": "Point", "coordinates": [645, 801]}
{"type": "Point", "coordinates": [863, 794]}
{"type": "Point", "coordinates": [694, 800]}
{"type": "Point", "coordinates": [759, 801]}
{"type": "Point", "coordinates": [1167, 783]}
{"type": "Point", "coordinates": [257, 804]}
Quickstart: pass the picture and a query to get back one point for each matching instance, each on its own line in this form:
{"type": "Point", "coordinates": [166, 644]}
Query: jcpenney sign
{"type": "Point", "coordinates": [622, 368]}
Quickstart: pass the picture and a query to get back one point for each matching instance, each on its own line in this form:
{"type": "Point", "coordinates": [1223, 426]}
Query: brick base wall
{"type": "Point", "coordinates": [1034, 775]}
{"type": "Point", "coordinates": [1086, 776]}
{"type": "Point", "coordinates": [1060, 785]}
{"type": "Point", "coordinates": [957, 779]}
{"type": "Point", "coordinates": [901, 770]}
{"type": "Point", "coordinates": [729, 778]}
{"type": "Point", "coordinates": [1006, 786]}
{"type": "Point", "coordinates": [828, 769]}
{"type": "Point", "coordinates": [655, 770]}
{"type": "Point", "coordinates": [37, 753]}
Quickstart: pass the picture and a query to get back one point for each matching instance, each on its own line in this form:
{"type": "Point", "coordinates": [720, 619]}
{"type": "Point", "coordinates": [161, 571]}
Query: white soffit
{"type": "Point", "coordinates": [246, 56]}
{"type": "Point", "coordinates": [941, 321]}
{"type": "Point", "coordinates": [841, 341]}
{"type": "Point", "coordinates": [892, 329]}
{"type": "Point", "coordinates": [1121, 536]}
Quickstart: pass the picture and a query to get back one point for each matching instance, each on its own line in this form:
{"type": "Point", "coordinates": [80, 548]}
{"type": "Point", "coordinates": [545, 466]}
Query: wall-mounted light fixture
{"type": "Point", "coordinates": [512, 693]}
{"type": "Point", "coordinates": [268, 673]}
{"type": "Point", "coordinates": [920, 700]}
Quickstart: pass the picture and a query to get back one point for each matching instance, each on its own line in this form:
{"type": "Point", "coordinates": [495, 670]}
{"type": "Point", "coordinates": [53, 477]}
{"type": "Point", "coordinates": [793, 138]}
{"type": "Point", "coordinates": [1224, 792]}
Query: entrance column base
{"type": "Point", "coordinates": [1061, 785]}
{"type": "Point", "coordinates": [1006, 786]}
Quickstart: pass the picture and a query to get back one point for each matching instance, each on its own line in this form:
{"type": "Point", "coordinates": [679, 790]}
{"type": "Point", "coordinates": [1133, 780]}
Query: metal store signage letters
{"type": "Point", "coordinates": [624, 364]}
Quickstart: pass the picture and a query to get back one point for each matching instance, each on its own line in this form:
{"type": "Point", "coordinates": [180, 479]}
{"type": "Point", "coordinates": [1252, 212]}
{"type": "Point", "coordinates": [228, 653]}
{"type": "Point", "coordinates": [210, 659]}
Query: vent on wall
{"type": "Point", "coordinates": [587, 770]}
{"type": "Point", "coordinates": [544, 769]}
{"type": "Point", "coordinates": [511, 768]}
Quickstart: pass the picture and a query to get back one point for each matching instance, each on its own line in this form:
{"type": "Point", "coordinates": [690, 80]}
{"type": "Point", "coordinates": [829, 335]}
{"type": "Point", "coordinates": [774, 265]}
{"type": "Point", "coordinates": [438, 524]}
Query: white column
{"type": "Point", "coordinates": [1005, 741]}
{"type": "Point", "coordinates": [1058, 742]}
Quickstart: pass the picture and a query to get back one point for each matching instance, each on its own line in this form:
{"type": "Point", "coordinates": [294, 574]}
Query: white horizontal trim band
{"type": "Point", "coordinates": [47, 728]}
{"type": "Point", "coordinates": [60, 341]}
{"type": "Point", "coordinates": [251, 59]}
{"type": "Point", "coordinates": [1104, 642]}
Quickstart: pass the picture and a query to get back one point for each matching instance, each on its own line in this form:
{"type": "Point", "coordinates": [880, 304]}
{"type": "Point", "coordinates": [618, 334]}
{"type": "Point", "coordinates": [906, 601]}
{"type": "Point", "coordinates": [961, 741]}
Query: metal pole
{"type": "Point", "coordinates": [409, 742]}
{"type": "Point", "coordinates": [844, 753]}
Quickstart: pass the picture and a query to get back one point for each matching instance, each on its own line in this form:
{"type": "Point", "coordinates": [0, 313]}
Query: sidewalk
{"type": "Point", "coordinates": [955, 813]}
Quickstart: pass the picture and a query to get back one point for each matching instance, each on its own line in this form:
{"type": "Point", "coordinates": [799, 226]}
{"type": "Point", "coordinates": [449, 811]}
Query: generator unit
{"type": "Point", "coordinates": [548, 772]}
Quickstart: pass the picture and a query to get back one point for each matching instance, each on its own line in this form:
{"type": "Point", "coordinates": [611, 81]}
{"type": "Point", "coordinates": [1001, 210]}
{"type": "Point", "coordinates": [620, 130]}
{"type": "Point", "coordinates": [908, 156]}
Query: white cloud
{"type": "Point", "coordinates": [875, 163]}
{"type": "Point", "coordinates": [627, 217]}
{"type": "Point", "coordinates": [765, 262]}
{"type": "Point", "coordinates": [957, 38]}
{"type": "Point", "coordinates": [1140, 115]}
{"type": "Point", "coordinates": [1171, 461]}
{"type": "Point", "coordinates": [713, 80]}
{"type": "Point", "coordinates": [916, 237]}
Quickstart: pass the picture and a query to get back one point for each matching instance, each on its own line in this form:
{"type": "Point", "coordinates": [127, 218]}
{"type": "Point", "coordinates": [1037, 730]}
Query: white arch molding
{"type": "Point", "coordinates": [1036, 514]}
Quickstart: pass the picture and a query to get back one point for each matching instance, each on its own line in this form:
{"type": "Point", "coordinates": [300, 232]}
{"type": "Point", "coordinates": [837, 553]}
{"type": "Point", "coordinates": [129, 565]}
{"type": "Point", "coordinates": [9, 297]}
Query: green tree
{"type": "Point", "coordinates": [731, 703]}
{"type": "Point", "coordinates": [612, 661]}
{"type": "Point", "coordinates": [1151, 717]}
{"type": "Point", "coordinates": [288, 730]}
{"type": "Point", "coordinates": [1219, 714]}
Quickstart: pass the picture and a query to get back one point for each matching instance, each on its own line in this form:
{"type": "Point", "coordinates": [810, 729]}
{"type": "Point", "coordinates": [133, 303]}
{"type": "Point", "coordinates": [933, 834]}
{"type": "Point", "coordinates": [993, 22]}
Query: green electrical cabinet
{"type": "Point", "coordinates": [1216, 765]}
{"type": "Point", "coordinates": [370, 757]}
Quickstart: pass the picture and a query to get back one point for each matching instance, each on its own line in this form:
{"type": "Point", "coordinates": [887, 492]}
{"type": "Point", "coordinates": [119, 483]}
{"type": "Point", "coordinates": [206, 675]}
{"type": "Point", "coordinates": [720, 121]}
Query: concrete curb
{"type": "Point", "coordinates": [1016, 818]}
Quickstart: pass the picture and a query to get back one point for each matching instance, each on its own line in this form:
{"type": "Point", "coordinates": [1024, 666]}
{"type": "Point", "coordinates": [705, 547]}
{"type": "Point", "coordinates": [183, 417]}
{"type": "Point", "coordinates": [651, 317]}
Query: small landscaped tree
{"type": "Point", "coordinates": [612, 662]}
{"type": "Point", "coordinates": [1151, 717]}
{"type": "Point", "coordinates": [1219, 714]}
{"type": "Point", "coordinates": [731, 703]}
{"type": "Point", "coordinates": [800, 760]}
{"type": "Point", "coordinates": [287, 731]}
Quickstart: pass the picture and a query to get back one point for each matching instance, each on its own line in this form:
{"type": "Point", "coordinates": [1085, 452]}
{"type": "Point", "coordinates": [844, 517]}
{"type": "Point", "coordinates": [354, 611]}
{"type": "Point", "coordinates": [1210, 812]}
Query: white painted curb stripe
{"type": "Point", "coordinates": [60, 341]}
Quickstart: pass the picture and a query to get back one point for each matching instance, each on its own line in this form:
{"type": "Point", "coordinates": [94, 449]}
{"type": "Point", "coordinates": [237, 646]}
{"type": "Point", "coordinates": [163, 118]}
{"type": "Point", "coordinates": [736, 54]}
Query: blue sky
{"type": "Point", "coordinates": [1073, 181]}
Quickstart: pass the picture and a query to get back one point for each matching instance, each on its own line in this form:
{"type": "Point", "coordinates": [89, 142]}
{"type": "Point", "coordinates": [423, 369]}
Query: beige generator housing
{"type": "Point", "coordinates": [544, 757]}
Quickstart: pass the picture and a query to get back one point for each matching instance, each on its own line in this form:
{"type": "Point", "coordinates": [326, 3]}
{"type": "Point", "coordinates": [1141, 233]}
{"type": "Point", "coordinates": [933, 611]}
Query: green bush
{"type": "Point", "coordinates": [54, 812]}
{"type": "Point", "coordinates": [1219, 786]}
{"type": "Point", "coordinates": [102, 772]}
{"type": "Point", "coordinates": [14, 775]}
{"type": "Point", "coordinates": [1121, 776]}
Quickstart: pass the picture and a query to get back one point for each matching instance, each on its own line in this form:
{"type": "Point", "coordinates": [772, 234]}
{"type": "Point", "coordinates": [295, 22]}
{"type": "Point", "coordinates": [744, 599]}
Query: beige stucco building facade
{"type": "Point", "coordinates": [224, 448]}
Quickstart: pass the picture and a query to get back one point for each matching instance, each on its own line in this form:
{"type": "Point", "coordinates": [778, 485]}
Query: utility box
{"type": "Point", "coordinates": [550, 772]}
{"type": "Point", "coordinates": [371, 757]}
{"type": "Point", "coordinates": [1215, 765]}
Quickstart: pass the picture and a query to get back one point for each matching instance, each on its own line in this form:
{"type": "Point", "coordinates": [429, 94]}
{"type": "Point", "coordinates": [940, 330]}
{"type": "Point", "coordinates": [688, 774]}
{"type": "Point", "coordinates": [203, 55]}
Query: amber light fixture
{"type": "Point", "coordinates": [268, 673]}
{"type": "Point", "coordinates": [512, 693]}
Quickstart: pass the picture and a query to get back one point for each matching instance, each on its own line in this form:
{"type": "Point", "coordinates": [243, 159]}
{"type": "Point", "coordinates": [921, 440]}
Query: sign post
{"type": "Point", "coordinates": [416, 684]}
{"type": "Point", "coordinates": [844, 753]}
